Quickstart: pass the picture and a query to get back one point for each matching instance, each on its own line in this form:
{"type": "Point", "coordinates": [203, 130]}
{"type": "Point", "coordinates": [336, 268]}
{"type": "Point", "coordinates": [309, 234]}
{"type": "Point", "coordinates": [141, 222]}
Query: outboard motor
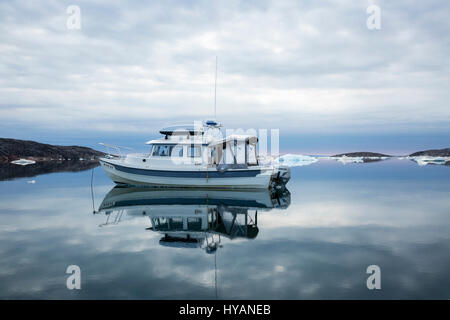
{"type": "Point", "coordinates": [281, 176]}
{"type": "Point", "coordinates": [281, 197]}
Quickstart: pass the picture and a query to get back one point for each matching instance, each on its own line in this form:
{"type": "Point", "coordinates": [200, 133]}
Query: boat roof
{"type": "Point", "coordinates": [180, 129]}
{"type": "Point", "coordinates": [195, 132]}
{"type": "Point", "coordinates": [191, 128]}
{"type": "Point", "coordinates": [175, 142]}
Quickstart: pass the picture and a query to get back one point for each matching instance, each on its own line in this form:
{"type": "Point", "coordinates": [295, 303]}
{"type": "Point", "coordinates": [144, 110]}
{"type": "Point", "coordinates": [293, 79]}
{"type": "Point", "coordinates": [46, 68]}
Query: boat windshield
{"type": "Point", "coordinates": [161, 150]}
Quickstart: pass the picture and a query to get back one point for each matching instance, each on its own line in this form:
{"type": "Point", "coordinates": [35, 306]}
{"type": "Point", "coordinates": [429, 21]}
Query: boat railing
{"type": "Point", "coordinates": [115, 220]}
{"type": "Point", "coordinates": [118, 149]}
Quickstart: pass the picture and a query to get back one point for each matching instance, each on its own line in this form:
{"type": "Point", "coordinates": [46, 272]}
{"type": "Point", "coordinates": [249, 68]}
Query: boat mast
{"type": "Point", "coordinates": [215, 93]}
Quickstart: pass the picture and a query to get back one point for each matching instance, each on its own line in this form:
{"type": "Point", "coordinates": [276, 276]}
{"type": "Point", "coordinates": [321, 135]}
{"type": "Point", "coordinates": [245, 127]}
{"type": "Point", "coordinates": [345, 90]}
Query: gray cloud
{"type": "Point", "coordinates": [303, 66]}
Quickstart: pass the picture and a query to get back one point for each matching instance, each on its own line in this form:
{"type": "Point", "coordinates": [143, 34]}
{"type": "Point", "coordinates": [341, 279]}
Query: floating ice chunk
{"type": "Point", "coordinates": [31, 181]}
{"type": "Point", "coordinates": [296, 160]}
{"type": "Point", "coordinates": [375, 158]}
{"type": "Point", "coordinates": [424, 160]}
{"type": "Point", "coordinates": [326, 158]}
{"type": "Point", "coordinates": [23, 162]}
{"type": "Point", "coordinates": [344, 159]}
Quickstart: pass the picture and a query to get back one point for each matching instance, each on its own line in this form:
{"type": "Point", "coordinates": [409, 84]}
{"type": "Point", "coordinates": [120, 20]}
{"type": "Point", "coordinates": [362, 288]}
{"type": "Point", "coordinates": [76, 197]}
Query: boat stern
{"type": "Point", "coordinates": [280, 176]}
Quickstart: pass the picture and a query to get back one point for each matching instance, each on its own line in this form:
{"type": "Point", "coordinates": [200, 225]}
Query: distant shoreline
{"type": "Point", "coordinates": [425, 153]}
{"type": "Point", "coordinates": [14, 149]}
{"type": "Point", "coordinates": [363, 154]}
{"type": "Point", "coordinates": [432, 156]}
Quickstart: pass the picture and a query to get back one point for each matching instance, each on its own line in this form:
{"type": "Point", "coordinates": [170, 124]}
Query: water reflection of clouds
{"type": "Point", "coordinates": [395, 204]}
{"type": "Point", "coordinates": [319, 247]}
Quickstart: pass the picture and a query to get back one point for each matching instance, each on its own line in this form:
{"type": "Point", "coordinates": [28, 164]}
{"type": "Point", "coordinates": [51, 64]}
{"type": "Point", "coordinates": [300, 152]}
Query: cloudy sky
{"type": "Point", "coordinates": [310, 68]}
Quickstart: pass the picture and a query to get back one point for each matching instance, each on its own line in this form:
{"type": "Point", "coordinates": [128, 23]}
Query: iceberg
{"type": "Point", "coordinates": [23, 162]}
{"type": "Point", "coordinates": [348, 159]}
{"type": "Point", "coordinates": [424, 160]}
{"type": "Point", "coordinates": [344, 159]}
{"type": "Point", "coordinates": [296, 160]}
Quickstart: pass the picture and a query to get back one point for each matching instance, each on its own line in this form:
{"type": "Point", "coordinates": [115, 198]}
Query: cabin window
{"type": "Point", "coordinates": [213, 156]}
{"type": "Point", "coordinates": [155, 151]}
{"type": "Point", "coordinates": [161, 224]}
{"type": "Point", "coordinates": [162, 150]}
{"type": "Point", "coordinates": [177, 151]}
{"type": "Point", "coordinates": [194, 224]}
{"type": "Point", "coordinates": [194, 151]}
{"type": "Point", "coordinates": [176, 223]}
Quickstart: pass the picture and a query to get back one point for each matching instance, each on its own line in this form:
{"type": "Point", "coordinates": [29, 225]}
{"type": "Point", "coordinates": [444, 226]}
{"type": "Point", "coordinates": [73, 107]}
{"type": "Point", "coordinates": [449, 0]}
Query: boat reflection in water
{"type": "Point", "coordinates": [194, 218]}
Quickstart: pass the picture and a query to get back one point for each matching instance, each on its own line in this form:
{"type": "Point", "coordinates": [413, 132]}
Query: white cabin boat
{"type": "Point", "coordinates": [196, 156]}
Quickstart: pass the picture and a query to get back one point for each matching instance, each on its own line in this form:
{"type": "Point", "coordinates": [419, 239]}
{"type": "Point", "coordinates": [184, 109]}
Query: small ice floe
{"type": "Point", "coordinates": [424, 160]}
{"type": "Point", "coordinates": [375, 158]}
{"type": "Point", "coordinates": [296, 160]}
{"type": "Point", "coordinates": [344, 159]}
{"type": "Point", "coordinates": [347, 159]}
{"type": "Point", "coordinates": [23, 162]}
{"type": "Point", "coordinates": [31, 181]}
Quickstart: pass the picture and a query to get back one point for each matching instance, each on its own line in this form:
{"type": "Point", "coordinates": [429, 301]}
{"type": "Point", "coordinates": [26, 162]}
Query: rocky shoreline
{"type": "Point", "coordinates": [425, 153]}
{"type": "Point", "coordinates": [432, 153]}
{"type": "Point", "coordinates": [432, 156]}
{"type": "Point", "coordinates": [14, 149]}
{"type": "Point", "coordinates": [363, 154]}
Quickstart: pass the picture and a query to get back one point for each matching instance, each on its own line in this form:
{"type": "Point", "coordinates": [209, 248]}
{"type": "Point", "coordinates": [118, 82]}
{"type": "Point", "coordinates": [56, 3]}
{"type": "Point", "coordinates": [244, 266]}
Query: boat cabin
{"type": "Point", "coordinates": [205, 146]}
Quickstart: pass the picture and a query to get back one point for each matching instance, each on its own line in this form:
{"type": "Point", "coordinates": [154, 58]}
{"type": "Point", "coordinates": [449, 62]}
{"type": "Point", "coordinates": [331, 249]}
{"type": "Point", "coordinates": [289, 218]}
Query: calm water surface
{"type": "Point", "coordinates": [314, 241]}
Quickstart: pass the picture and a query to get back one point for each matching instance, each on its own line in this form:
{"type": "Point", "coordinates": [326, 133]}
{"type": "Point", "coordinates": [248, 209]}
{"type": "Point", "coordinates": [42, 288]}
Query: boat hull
{"type": "Point", "coordinates": [230, 179]}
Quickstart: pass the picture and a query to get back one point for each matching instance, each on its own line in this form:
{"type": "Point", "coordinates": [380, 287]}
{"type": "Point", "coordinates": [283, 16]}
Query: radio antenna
{"type": "Point", "coordinates": [215, 93]}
